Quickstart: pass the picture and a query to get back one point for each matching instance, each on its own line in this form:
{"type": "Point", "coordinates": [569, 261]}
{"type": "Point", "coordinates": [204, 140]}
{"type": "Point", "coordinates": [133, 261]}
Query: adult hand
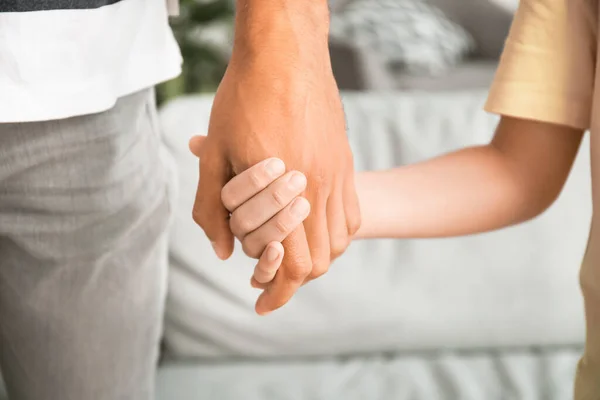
{"type": "Point", "coordinates": [264, 209]}
{"type": "Point", "coordinates": [283, 104]}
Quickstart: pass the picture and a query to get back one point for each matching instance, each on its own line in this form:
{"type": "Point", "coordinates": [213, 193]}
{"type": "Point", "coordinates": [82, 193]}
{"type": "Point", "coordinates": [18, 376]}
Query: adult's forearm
{"type": "Point", "coordinates": [286, 31]}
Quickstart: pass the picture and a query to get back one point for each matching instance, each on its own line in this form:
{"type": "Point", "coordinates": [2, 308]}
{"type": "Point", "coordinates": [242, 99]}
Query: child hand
{"type": "Point", "coordinates": [268, 264]}
{"type": "Point", "coordinates": [265, 206]}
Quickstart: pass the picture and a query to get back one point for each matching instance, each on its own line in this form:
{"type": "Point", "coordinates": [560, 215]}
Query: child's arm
{"type": "Point", "coordinates": [514, 178]}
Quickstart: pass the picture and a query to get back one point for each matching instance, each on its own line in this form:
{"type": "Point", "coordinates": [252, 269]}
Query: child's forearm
{"type": "Point", "coordinates": [478, 189]}
{"type": "Point", "coordinates": [469, 191]}
{"type": "Point", "coordinates": [472, 190]}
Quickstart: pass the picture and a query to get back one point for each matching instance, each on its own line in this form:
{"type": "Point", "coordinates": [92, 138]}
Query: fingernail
{"type": "Point", "coordinates": [299, 207]}
{"type": "Point", "coordinates": [275, 167]}
{"type": "Point", "coordinates": [272, 254]}
{"type": "Point", "coordinates": [297, 181]}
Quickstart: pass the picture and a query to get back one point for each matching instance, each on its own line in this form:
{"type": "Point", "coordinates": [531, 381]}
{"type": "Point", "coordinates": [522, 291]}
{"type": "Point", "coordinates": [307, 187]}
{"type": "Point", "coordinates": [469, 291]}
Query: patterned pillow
{"type": "Point", "coordinates": [409, 34]}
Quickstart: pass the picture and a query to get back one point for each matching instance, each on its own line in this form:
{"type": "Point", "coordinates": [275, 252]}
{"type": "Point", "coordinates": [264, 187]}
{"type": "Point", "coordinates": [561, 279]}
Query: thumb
{"type": "Point", "coordinates": [209, 211]}
{"type": "Point", "coordinates": [196, 144]}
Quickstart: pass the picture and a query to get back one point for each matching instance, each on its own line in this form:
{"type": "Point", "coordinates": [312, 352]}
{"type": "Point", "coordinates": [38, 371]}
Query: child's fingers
{"type": "Point", "coordinates": [277, 228]}
{"type": "Point", "coordinates": [257, 285]}
{"type": "Point", "coordinates": [250, 182]}
{"type": "Point", "coordinates": [266, 204]}
{"type": "Point", "coordinates": [269, 263]}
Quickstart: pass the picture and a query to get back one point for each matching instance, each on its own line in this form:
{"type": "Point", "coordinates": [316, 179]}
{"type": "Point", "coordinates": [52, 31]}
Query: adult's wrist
{"type": "Point", "coordinates": [294, 31]}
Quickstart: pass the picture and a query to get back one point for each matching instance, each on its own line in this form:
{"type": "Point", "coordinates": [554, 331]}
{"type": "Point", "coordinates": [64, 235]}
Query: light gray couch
{"type": "Point", "coordinates": [438, 319]}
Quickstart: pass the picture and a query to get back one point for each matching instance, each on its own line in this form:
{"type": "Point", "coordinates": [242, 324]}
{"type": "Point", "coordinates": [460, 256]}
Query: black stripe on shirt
{"type": "Point", "coordinates": [45, 5]}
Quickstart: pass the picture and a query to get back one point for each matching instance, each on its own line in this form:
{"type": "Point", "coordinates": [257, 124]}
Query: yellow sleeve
{"type": "Point", "coordinates": [547, 69]}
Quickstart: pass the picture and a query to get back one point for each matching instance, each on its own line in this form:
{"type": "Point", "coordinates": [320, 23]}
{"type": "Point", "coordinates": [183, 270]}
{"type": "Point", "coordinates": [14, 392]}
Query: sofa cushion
{"type": "Point", "coordinates": [407, 33]}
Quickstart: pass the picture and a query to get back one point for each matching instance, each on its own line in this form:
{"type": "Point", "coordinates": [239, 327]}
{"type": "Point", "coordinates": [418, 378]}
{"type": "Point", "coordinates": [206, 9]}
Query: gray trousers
{"type": "Point", "coordinates": [84, 208]}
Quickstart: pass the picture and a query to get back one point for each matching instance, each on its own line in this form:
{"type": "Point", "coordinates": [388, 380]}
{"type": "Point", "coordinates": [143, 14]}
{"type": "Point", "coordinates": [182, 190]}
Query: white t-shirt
{"type": "Point", "coordinates": [63, 58]}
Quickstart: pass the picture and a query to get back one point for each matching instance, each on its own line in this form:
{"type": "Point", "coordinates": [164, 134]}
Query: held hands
{"type": "Point", "coordinates": [294, 113]}
{"type": "Point", "coordinates": [265, 206]}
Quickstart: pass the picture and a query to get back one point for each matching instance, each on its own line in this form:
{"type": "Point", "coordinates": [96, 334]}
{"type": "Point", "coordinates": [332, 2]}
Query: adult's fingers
{"type": "Point", "coordinates": [266, 204]}
{"type": "Point", "coordinates": [351, 204]}
{"type": "Point", "coordinates": [269, 263]}
{"type": "Point", "coordinates": [196, 144]}
{"type": "Point", "coordinates": [296, 266]}
{"type": "Point", "coordinates": [336, 223]}
{"type": "Point", "coordinates": [209, 211]}
{"type": "Point", "coordinates": [244, 186]}
{"type": "Point", "coordinates": [317, 235]}
{"type": "Point", "coordinates": [277, 228]}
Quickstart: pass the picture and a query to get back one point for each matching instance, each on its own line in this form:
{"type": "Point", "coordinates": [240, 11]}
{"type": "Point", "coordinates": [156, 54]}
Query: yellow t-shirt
{"type": "Point", "coordinates": [548, 73]}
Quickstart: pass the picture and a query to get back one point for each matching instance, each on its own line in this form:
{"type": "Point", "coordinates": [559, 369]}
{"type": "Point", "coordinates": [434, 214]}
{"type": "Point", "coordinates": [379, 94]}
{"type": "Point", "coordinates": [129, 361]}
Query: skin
{"type": "Point", "coordinates": [279, 98]}
{"type": "Point", "coordinates": [511, 180]}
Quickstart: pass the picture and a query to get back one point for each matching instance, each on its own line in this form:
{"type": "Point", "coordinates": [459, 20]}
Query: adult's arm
{"type": "Point", "coordinates": [279, 99]}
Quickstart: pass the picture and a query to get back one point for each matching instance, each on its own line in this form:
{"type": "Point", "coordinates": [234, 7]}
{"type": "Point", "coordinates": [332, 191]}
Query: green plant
{"type": "Point", "coordinates": [205, 58]}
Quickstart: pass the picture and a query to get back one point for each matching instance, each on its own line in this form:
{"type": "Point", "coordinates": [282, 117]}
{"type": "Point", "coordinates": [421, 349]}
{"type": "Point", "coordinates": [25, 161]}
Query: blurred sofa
{"type": "Point", "coordinates": [491, 316]}
{"type": "Point", "coordinates": [487, 21]}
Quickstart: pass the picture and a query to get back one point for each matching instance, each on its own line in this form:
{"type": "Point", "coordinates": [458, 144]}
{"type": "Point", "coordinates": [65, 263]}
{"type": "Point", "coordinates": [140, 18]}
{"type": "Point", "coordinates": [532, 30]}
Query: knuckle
{"type": "Point", "coordinates": [278, 199]}
{"type": "Point", "coordinates": [256, 180]}
{"type": "Point", "coordinates": [264, 275]}
{"type": "Point", "coordinates": [257, 285]}
{"type": "Point", "coordinates": [227, 198]}
{"type": "Point", "coordinates": [317, 186]}
{"type": "Point", "coordinates": [320, 178]}
{"type": "Point", "coordinates": [234, 227]}
{"type": "Point", "coordinates": [335, 253]}
{"type": "Point", "coordinates": [318, 270]}
{"type": "Point", "coordinates": [249, 249]}
{"type": "Point", "coordinates": [280, 226]}
{"type": "Point", "coordinates": [354, 225]}
{"type": "Point", "coordinates": [239, 226]}
{"type": "Point", "coordinates": [338, 246]}
{"type": "Point", "coordinates": [318, 191]}
{"type": "Point", "coordinates": [299, 273]}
